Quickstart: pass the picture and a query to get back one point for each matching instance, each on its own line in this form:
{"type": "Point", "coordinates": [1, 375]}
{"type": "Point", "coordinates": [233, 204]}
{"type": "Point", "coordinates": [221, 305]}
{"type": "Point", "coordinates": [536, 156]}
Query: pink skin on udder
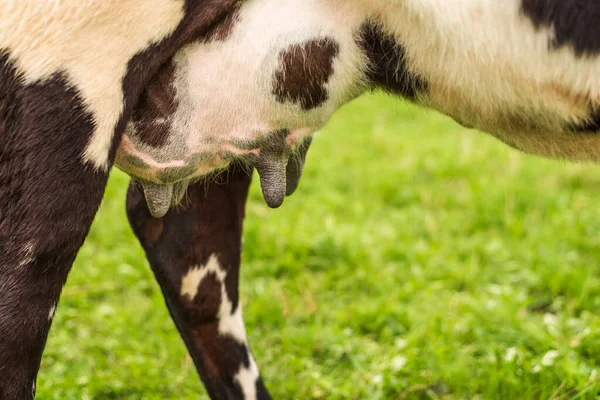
{"type": "Point", "coordinates": [298, 136]}
{"type": "Point", "coordinates": [128, 148]}
{"type": "Point", "coordinates": [207, 166]}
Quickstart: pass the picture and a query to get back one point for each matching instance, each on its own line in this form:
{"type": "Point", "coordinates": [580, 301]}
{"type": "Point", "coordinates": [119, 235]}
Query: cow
{"type": "Point", "coordinates": [250, 84]}
{"type": "Point", "coordinates": [254, 90]}
{"type": "Point", "coordinates": [71, 73]}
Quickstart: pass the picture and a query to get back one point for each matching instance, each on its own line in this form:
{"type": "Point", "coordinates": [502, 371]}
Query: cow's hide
{"type": "Point", "coordinates": [526, 71]}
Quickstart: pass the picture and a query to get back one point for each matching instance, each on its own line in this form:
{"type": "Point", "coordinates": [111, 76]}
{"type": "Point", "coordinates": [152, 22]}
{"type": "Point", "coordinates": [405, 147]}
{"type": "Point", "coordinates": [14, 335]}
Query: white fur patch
{"type": "Point", "coordinates": [51, 312]}
{"type": "Point", "coordinates": [91, 42]}
{"type": "Point", "coordinates": [27, 254]}
{"type": "Point", "coordinates": [191, 281]}
{"type": "Point", "coordinates": [230, 323]}
{"type": "Point", "coordinates": [247, 378]}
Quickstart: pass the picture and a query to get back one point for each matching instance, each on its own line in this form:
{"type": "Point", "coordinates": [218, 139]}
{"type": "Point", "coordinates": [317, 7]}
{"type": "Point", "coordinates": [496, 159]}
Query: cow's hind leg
{"type": "Point", "coordinates": [194, 252]}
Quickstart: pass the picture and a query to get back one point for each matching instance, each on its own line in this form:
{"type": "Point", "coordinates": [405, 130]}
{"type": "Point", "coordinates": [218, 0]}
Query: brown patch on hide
{"type": "Point", "coordinates": [158, 102]}
{"type": "Point", "coordinates": [208, 223]}
{"type": "Point", "coordinates": [222, 30]}
{"type": "Point", "coordinates": [208, 299]}
{"type": "Point", "coordinates": [153, 231]}
{"type": "Point", "coordinates": [151, 117]}
{"type": "Point", "coordinates": [590, 124]}
{"type": "Point", "coordinates": [388, 65]}
{"type": "Point", "coordinates": [304, 70]}
{"type": "Point", "coordinates": [223, 357]}
{"type": "Point", "coordinates": [199, 17]}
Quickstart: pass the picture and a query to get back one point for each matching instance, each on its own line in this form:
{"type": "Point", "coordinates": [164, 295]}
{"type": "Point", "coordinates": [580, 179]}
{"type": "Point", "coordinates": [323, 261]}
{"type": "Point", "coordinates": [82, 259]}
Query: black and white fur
{"type": "Point", "coordinates": [71, 72]}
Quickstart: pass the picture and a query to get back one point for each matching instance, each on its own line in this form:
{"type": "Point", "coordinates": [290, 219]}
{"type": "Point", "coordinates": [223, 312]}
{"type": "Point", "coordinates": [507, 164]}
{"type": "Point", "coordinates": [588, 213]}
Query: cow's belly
{"type": "Point", "coordinates": [546, 121]}
{"type": "Point", "coordinates": [489, 67]}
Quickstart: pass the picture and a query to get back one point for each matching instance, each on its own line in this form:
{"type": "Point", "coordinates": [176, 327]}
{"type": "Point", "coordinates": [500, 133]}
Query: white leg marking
{"type": "Point", "coordinates": [230, 323]}
{"type": "Point", "coordinates": [247, 377]}
{"type": "Point", "coordinates": [51, 312]}
{"type": "Point", "coordinates": [27, 254]}
{"type": "Point", "coordinates": [191, 281]}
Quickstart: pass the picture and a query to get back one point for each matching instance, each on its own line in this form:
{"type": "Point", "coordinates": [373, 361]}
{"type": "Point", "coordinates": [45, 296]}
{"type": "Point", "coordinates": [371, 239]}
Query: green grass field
{"type": "Point", "coordinates": [418, 260]}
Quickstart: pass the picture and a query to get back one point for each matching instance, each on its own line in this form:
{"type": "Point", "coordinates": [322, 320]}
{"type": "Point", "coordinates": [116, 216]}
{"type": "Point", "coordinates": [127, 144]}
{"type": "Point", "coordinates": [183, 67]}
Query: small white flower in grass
{"type": "Point", "coordinates": [576, 341]}
{"type": "Point", "coordinates": [536, 368]}
{"type": "Point", "coordinates": [551, 322]}
{"type": "Point", "coordinates": [398, 363]}
{"type": "Point", "coordinates": [400, 343]}
{"type": "Point", "coordinates": [105, 310]}
{"type": "Point", "coordinates": [499, 290]}
{"type": "Point", "coordinates": [461, 326]}
{"type": "Point", "coordinates": [378, 379]}
{"type": "Point", "coordinates": [511, 354]}
{"type": "Point", "coordinates": [593, 375]}
{"type": "Point", "coordinates": [549, 358]}
{"type": "Point", "coordinates": [495, 289]}
{"type": "Point", "coordinates": [83, 380]}
{"type": "Point", "coordinates": [574, 322]}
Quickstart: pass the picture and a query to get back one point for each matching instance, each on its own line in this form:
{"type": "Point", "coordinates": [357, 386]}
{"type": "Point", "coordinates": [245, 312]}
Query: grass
{"type": "Point", "coordinates": [418, 260]}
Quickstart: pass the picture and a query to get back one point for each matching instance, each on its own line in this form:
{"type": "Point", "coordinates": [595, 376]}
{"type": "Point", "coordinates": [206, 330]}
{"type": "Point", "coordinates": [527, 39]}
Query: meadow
{"type": "Point", "coordinates": [418, 260]}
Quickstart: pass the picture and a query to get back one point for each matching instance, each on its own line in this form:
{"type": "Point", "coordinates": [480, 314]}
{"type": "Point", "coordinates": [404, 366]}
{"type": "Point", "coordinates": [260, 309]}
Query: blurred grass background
{"type": "Point", "coordinates": [418, 260]}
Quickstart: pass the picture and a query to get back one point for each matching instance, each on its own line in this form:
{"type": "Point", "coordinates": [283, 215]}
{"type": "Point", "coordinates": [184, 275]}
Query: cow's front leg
{"type": "Point", "coordinates": [48, 199]}
{"type": "Point", "coordinates": [194, 252]}
{"type": "Point", "coordinates": [42, 226]}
